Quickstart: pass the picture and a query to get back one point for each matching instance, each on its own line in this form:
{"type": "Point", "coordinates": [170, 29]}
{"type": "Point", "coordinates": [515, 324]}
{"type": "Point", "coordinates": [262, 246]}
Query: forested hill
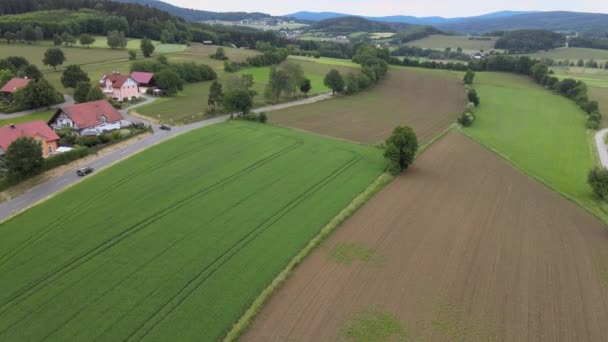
{"type": "Point", "coordinates": [346, 25]}
{"type": "Point", "coordinates": [554, 21]}
{"type": "Point", "coordinates": [198, 15]}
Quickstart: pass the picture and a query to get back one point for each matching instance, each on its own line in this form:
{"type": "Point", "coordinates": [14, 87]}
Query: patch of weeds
{"type": "Point", "coordinates": [448, 320]}
{"type": "Point", "coordinates": [375, 326]}
{"type": "Point", "coordinates": [347, 253]}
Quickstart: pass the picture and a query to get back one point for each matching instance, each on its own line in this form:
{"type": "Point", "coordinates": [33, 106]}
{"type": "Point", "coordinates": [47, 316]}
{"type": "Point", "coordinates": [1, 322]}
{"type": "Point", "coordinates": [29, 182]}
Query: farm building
{"type": "Point", "coordinates": [119, 87]}
{"type": "Point", "coordinates": [38, 130]}
{"type": "Point", "coordinates": [89, 118]}
{"type": "Point", "coordinates": [207, 42]}
{"type": "Point", "coordinates": [12, 86]}
{"type": "Point", "coordinates": [144, 80]}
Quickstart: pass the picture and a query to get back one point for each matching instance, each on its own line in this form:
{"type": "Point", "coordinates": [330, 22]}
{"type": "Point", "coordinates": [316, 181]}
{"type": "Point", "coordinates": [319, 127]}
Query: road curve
{"type": "Point", "coordinates": [602, 149]}
{"type": "Point", "coordinates": [52, 186]}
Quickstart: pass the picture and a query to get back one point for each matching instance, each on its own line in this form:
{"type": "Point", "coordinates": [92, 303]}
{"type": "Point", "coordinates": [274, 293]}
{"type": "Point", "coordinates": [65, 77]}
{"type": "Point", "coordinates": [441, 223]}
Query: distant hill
{"type": "Point", "coordinates": [198, 15]}
{"type": "Point", "coordinates": [318, 16]}
{"type": "Point", "coordinates": [554, 21]}
{"type": "Point", "coordinates": [346, 25]}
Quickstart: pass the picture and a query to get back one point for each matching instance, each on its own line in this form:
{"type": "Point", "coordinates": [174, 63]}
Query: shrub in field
{"type": "Point", "coordinates": [466, 119]}
{"type": "Point", "coordinates": [473, 97]}
{"type": "Point", "coordinates": [401, 148]}
{"type": "Point", "coordinates": [598, 180]}
{"type": "Point", "coordinates": [262, 117]}
{"type": "Point", "coordinates": [469, 77]}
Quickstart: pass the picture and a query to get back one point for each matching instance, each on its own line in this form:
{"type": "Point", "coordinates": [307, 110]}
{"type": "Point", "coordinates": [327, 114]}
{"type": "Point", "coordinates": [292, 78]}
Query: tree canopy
{"type": "Point", "coordinates": [401, 148]}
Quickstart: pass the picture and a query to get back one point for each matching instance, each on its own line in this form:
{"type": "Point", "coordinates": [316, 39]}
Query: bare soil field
{"type": "Point", "coordinates": [463, 247]}
{"type": "Point", "coordinates": [429, 101]}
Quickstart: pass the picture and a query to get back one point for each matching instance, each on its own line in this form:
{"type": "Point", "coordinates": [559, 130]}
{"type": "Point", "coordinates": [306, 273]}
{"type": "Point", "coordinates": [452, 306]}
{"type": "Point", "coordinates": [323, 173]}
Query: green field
{"type": "Point", "coordinates": [440, 42]}
{"type": "Point", "coordinates": [44, 116]}
{"type": "Point", "coordinates": [573, 54]}
{"type": "Point", "coordinates": [190, 104]}
{"type": "Point", "coordinates": [177, 241]}
{"type": "Point", "coordinates": [541, 133]}
{"type": "Point", "coordinates": [591, 76]}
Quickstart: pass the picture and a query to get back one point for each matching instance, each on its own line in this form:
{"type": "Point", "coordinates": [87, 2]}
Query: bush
{"type": "Point", "coordinates": [466, 119]}
{"type": "Point", "coordinates": [598, 180]}
{"type": "Point", "coordinates": [88, 141]}
{"type": "Point", "coordinates": [473, 97]}
{"type": "Point", "coordinates": [262, 117]}
{"type": "Point", "coordinates": [65, 158]}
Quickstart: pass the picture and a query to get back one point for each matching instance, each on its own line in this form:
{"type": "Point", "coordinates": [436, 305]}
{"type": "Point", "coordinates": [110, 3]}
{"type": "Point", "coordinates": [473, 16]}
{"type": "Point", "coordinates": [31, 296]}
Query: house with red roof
{"type": "Point", "coordinates": [12, 86]}
{"type": "Point", "coordinates": [88, 118]}
{"type": "Point", "coordinates": [144, 80]}
{"type": "Point", "coordinates": [119, 87]}
{"type": "Point", "coordinates": [38, 130]}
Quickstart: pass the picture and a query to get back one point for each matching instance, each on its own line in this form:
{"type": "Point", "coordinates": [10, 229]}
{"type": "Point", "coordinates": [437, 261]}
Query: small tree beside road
{"type": "Point", "coordinates": [23, 158]}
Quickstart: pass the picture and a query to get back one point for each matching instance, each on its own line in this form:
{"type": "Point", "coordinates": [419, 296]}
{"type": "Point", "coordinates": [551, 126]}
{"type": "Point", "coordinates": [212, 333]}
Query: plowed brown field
{"type": "Point", "coordinates": [467, 249]}
{"type": "Point", "coordinates": [429, 101]}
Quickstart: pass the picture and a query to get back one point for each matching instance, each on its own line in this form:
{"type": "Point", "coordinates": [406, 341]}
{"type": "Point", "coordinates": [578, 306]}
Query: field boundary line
{"type": "Point", "coordinates": [239, 327]}
{"type": "Point", "coordinates": [594, 212]}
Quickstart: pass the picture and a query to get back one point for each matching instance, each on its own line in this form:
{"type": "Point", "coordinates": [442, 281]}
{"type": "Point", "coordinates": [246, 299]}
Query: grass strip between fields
{"type": "Point", "coordinates": [258, 303]}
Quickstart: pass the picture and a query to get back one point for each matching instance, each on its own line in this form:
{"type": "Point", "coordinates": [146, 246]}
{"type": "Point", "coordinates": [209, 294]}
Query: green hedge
{"type": "Point", "coordinates": [65, 158]}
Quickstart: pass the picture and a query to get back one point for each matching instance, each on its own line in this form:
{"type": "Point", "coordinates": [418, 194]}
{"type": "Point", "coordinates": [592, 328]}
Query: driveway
{"type": "Point", "coordinates": [602, 149]}
{"type": "Point", "coordinates": [59, 183]}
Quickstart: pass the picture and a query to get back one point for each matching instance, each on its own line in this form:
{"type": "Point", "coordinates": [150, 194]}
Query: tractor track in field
{"type": "Point", "coordinates": [81, 206]}
{"type": "Point", "coordinates": [202, 276]}
{"type": "Point", "coordinates": [107, 244]}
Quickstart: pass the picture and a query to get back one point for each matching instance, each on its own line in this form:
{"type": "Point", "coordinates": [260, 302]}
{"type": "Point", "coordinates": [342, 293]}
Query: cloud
{"type": "Point", "coordinates": [445, 8]}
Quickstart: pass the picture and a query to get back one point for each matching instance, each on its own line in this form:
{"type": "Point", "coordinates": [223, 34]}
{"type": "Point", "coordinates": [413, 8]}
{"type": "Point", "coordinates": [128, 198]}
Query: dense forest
{"type": "Point", "coordinates": [135, 20]}
{"type": "Point", "coordinates": [593, 43]}
{"type": "Point", "coordinates": [523, 41]}
{"type": "Point", "coordinates": [347, 25]}
{"type": "Point", "coordinates": [415, 33]}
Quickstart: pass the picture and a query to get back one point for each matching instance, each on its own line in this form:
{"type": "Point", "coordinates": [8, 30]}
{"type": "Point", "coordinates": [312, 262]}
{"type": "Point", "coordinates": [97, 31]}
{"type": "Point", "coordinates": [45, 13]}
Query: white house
{"type": "Point", "coordinates": [89, 118]}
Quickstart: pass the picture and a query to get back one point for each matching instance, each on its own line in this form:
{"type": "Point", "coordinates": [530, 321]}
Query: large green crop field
{"type": "Point", "coordinates": [539, 132]}
{"type": "Point", "coordinates": [177, 241]}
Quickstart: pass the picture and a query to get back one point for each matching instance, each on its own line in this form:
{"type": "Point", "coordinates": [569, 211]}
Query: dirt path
{"type": "Point", "coordinates": [461, 248]}
{"type": "Point", "coordinates": [602, 148]}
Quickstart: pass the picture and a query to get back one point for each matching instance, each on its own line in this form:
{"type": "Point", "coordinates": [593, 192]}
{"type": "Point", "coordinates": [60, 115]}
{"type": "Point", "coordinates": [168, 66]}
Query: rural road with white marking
{"type": "Point", "coordinates": [602, 149]}
{"type": "Point", "coordinates": [52, 186]}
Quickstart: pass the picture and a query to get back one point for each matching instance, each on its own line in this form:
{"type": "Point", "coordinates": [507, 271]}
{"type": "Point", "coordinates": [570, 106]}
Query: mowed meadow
{"type": "Point", "coordinates": [427, 100]}
{"type": "Point", "coordinates": [175, 242]}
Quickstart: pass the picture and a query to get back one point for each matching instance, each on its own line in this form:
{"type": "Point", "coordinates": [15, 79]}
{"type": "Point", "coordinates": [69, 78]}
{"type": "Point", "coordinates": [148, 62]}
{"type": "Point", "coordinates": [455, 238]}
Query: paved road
{"type": "Point", "coordinates": [56, 184]}
{"type": "Point", "coordinates": [68, 100]}
{"type": "Point", "coordinates": [602, 149]}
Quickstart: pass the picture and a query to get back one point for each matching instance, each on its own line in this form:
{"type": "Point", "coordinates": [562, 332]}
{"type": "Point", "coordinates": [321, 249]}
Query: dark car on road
{"type": "Point", "coordinates": [165, 127]}
{"type": "Point", "coordinates": [84, 171]}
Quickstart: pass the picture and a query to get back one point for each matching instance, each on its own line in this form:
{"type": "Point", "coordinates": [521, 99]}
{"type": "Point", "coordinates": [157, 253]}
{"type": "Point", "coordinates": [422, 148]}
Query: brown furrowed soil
{"type": "Point", "coordinates": [463, 247]}
{"type": "Point", "coordinates": [429, 101]}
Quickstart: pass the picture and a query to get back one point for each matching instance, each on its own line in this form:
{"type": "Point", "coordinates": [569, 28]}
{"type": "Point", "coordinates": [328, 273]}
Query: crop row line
{"type": "Point", "coordinates": [107, 244]}
{"type": "Point", "coordinates": [180, 297]}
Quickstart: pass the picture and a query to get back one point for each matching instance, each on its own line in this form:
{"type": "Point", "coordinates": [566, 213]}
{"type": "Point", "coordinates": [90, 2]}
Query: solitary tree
{"type": "Point", "coordinates": [53, 57]}
{"type": "Point", "coordinates": [36, 94]}
{"type": "Point", "coordinates": [86, 40]}
{"type": "Point", "coordinates": [147, 47]}
{"type": "Point", "coordinates": [57, 40]}
{"type": "Point", "coordinates": [473, 97]}
{"type": "Point", "coordinates": [469, 77]}
{"type": "Point", "coordinates": [598, 179]}
{"type": "Point", "coordinates": [72, 75]}
{"type": "Point", "coordinates": [68, 39]}
{"type": "Point", "coordinates": [81, 91]}
{"type": "Point", "coordinates": [117, 40]}
{"type": "Point", "coordinates": [168, 81]}
{"type": "Point", "coordinates": [401, 148]}
{"type": "Point", "coordinates": [219, 54]}
{"type": "Point", "coordinates": [215, 96]}
{"type": "Point", "coordinates": [334, 80]}
{"type": "Point", "coordinates": [132, 55]}
{"type": "Point", "coordinates": [95, 94]}
{"type": "Point", "coordinates": [305, 86]}
{"type": "Point", "coordinates": [237, 101]}
{"type": "Point", "coordinates": [23, 158]}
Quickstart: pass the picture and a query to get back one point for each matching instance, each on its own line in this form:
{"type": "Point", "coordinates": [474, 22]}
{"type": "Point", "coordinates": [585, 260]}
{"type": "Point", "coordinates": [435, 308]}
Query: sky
{"type": "Point", "coordinates": [444, 8]}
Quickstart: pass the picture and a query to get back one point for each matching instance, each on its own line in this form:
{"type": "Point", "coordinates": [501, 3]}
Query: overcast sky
{"type": "Point", "coordinates": [445, 8]}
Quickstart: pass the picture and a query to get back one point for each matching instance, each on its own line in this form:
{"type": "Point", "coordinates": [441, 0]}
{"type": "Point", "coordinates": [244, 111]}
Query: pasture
{"type": "Point", "coordinates": [468, 249]}
{"type": "Point", "coordinates": [43, 115]}
{"type": "Point", "coordinates": [572, 53]}
{"type": "Point", "coordinates": [427, 100]}
{"type": "Point", "coordinates": [440, 42]}
{"type": "Point", "coordinates": [191, 104]}
{"type": "Point", "coordinates": [541, 133]}
{"type": "Point", "coordinates": [176, 241]}
{"type": "Point", "coordinates": [200, 53]}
